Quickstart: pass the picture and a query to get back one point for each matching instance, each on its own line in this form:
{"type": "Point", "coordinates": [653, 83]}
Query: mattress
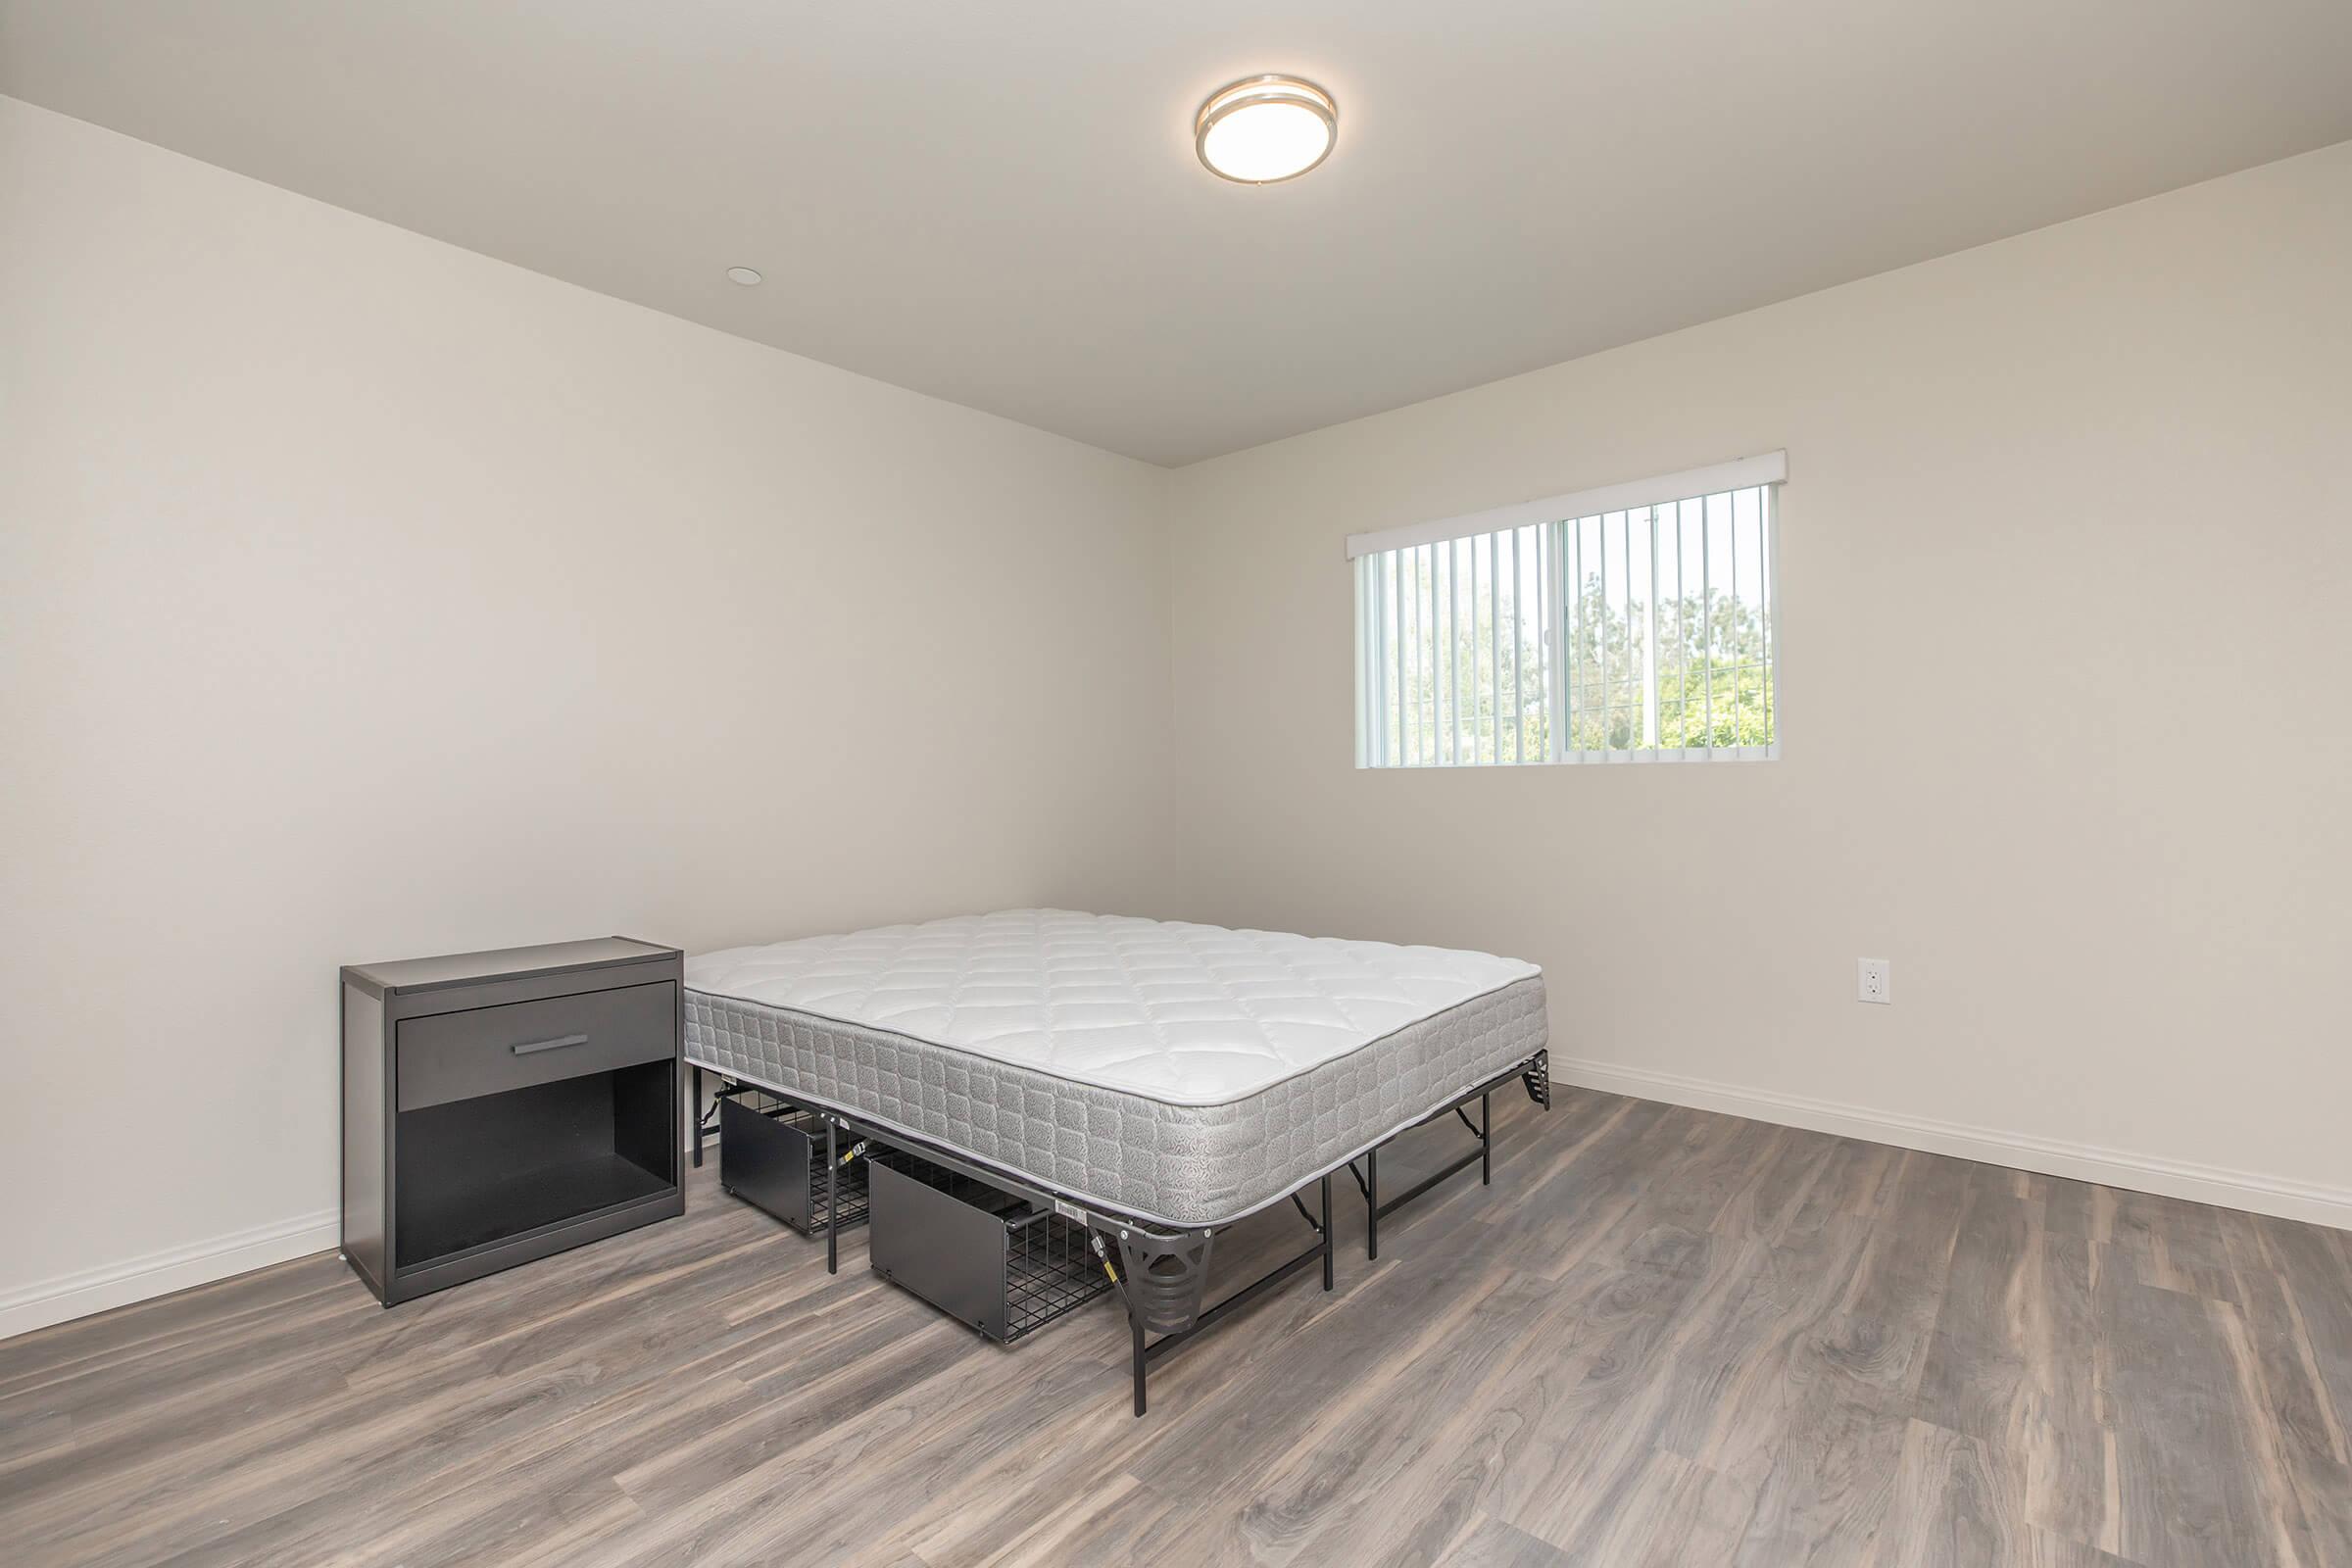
{"type": "Point", "coordinates": [1180, 1074]}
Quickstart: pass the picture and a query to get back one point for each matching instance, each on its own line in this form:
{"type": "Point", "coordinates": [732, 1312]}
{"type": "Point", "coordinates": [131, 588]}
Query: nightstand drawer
{"type": "Point", "coordinates": [459, 1056]}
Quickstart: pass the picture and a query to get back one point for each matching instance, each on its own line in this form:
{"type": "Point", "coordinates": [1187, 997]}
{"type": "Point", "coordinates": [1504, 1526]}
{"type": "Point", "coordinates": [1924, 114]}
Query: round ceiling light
{"type": "Point", "coordinates": [1265, 129]}
{"type": "Point", "coordinates": [742, 275]}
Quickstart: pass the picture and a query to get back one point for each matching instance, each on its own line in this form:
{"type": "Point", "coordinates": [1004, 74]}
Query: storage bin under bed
{"type": "Point", "coordinates": [771, 1153]}
{"type": "Point", "coordinates": [980, 1255]}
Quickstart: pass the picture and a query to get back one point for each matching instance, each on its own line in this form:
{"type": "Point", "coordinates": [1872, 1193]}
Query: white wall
{"type": "Point", "coordinates": [2067, 546]}
{"type": "Point", "coordinates": [360, 596]}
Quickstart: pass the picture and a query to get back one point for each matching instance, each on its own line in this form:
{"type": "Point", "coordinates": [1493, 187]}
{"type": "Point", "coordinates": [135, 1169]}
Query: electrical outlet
{"type": "Point", "coordinates": [1877, 980]}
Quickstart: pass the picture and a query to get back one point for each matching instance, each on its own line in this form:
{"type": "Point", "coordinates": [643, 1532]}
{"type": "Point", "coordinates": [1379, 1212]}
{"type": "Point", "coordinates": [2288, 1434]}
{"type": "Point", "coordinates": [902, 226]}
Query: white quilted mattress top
{"type": "Point", "coordinates": [1187, 1015]}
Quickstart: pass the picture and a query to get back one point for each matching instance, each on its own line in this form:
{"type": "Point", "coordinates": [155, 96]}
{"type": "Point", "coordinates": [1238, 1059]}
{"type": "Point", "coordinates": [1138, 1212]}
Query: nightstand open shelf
{"type": "Point", "coordinates": [472, 1172]}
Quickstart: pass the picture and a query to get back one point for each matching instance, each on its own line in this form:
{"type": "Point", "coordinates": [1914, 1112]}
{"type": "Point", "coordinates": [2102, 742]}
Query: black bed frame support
{"type": "Point", "coordinates": [694, 1108]}
{"type": "Point", "coordinates": [1233, 1306]}
{"type": "Point", "coordinates": [832, 1196]}
{"type": "Point", "coordinates": [1141, 1247]}
{"type": "Point", "coordinates": [834, 1161]}
{"type": "Point", "coordinates": [1535, 1074]}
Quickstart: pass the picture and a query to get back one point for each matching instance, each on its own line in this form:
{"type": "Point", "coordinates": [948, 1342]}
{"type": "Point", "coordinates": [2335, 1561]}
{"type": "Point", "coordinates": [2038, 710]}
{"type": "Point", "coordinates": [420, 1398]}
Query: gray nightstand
{"type": "Point", "coordinates": [498, 1107]}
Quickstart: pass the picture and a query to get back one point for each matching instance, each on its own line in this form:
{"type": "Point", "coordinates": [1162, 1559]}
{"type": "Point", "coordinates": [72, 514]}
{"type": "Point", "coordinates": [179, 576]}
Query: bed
{"type": "Point", "coordinates": [1157, 1080]}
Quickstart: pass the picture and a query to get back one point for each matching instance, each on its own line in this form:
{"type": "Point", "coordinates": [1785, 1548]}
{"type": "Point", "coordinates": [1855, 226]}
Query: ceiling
{"type": "Point", "coordinates": [999, 203]}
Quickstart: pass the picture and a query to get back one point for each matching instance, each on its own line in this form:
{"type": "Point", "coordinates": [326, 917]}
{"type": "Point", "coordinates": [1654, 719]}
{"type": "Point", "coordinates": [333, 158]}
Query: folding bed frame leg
{"type": "Point", "coordinates": [694, 1114]}
{"type": "Point", "coordinates": [1485, 1139]}
{"type": "Point", "coordinates": [1369, 1180]}
{"type": "Point", "coordinates": [1326, 1229]}
{"type": "Point", "coordinates": [1162, 1280]}
{"type": "Point", "coordinates": [832, 1199]}
{"type": "Point", "coordinates": [1367, 1176]}
{"type": "Point", "coordinates": [1136, 1324]}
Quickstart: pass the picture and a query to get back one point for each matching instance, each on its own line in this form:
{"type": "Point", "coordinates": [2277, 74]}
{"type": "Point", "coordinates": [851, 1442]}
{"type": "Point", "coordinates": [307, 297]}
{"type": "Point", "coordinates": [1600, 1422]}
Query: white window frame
{"type": "Point", "coordinates": [1552, 518]}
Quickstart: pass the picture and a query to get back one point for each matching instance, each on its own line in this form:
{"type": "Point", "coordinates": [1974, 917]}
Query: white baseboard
{"type": "Point", "coordinates": [2279, 1196]}
{"type": "Point", "coordinates": [73, 1296]}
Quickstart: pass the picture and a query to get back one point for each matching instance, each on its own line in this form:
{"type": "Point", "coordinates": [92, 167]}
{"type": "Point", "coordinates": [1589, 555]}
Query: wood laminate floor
{"type": "Point", "coordinates": [1661, 1338]}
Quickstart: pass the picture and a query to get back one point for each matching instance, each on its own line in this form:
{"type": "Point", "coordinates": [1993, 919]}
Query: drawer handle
{"type": "Point", "coordinates": [529, 1047]}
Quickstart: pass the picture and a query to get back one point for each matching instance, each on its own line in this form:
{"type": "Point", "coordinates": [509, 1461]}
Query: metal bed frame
{"type": "Point", "coordinates": [1162, 1274]}
{"type": "Point", "coordinates": [1534, 1074]}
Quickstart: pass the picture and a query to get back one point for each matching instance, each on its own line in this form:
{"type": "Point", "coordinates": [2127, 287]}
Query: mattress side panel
{"type": "Point", "coordinates": [1185, 1166]}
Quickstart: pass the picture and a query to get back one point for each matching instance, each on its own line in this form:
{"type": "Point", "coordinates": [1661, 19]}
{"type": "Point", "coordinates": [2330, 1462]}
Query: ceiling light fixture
{"type": "Point", "coordinates": [742, 275]}
{"type": "Point", "coordinates": [1261, 129]}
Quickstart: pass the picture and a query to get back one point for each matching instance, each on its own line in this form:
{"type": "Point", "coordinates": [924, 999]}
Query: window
{"type": "Point", "coordinates": [1633, 624]}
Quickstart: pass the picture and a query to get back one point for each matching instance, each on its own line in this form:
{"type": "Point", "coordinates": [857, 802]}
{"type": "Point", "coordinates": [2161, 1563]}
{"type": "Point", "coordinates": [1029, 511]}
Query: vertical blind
{"type": "Point", "coordinates": [1639, 632]}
